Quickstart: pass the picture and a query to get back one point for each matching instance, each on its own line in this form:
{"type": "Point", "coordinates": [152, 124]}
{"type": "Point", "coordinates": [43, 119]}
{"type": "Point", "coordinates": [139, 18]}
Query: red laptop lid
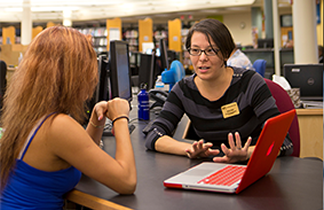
{"type": "Point", "coordinates": [267, 148]}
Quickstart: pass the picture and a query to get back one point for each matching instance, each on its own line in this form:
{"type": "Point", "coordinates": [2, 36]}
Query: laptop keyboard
{"type": "Point", "coordinates": [226, 176]}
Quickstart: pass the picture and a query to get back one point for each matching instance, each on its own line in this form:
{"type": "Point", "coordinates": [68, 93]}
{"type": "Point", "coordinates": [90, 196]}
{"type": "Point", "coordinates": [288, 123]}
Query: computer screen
{"type": "Point", "coordinates": [147, 70]}
{"type": "Point", "coordinates": [265, 43]}
{"type": "Point", "coordinates": [101, 91]}
{"type": "Point", "coordinates": [164, 55]}
{"type": "Point", "coordinates": [266, 54]}
{"type": "Point", "coordinates": [308, 78]}
{"type": "Point", "coordinates": [119, 71]}
{"type": "Point", "coordinates": [286, 20]}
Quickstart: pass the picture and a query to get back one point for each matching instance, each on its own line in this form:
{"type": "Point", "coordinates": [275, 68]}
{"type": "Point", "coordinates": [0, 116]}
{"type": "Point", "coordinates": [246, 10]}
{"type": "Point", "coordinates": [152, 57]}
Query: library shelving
{"type": "Point", "coordinates": [99, 37]}
{"type": "Point", "coordinates": [131, 36]}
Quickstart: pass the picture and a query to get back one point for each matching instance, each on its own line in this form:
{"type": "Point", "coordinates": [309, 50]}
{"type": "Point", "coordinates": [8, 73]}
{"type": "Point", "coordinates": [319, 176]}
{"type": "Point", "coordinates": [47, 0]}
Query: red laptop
{"type": "Point", "coordinates": [233, 178]}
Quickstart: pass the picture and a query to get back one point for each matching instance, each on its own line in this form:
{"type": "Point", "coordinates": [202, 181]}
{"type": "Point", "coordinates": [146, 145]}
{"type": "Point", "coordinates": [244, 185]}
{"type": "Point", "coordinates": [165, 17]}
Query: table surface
{"type": "Point", "coordinates": [293, 183]}
{"type": "Point", "coordinates": [318, 112]}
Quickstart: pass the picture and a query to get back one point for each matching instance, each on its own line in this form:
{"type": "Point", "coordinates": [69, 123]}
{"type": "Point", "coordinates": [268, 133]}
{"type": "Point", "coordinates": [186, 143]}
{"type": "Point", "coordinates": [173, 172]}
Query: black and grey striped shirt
{"type": "Point", "coordinates": [247, 89]}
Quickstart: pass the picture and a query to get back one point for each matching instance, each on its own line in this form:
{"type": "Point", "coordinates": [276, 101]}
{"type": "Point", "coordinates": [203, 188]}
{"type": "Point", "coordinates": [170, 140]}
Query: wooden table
{"type": "Point", "coordinates": [311, 132]}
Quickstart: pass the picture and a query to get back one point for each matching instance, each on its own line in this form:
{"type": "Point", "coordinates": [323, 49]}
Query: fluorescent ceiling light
{"type": "Point", "coordinates": [127, 7]}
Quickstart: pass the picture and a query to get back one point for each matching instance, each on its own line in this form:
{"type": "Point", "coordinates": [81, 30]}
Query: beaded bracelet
{"type": "Point", "coordinates": [120, 117]}
{"type": "Point", "coordinates": [96, 126]}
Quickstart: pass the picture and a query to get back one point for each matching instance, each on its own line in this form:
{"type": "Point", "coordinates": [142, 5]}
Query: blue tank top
{"type": "Point", "coordinates": [31, 188]}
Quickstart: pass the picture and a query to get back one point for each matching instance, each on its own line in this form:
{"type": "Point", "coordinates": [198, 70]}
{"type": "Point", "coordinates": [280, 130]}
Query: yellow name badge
{"type": "Point", "coordinates": [230, 110]}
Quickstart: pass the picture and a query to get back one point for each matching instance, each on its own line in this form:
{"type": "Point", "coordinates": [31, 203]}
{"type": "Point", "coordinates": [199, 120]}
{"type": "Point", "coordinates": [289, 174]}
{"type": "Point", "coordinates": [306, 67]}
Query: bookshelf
{"type": "Point", "coordinates": [131, 36]}
{"type": "Point", "coordinates": [99, 37]}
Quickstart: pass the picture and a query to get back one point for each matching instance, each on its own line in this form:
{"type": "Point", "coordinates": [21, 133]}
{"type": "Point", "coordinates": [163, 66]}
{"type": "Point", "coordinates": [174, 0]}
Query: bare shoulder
{"type": "Point", "coordinates": [63, 122]}
{"type": "Point", "coordinates": [64, 131]}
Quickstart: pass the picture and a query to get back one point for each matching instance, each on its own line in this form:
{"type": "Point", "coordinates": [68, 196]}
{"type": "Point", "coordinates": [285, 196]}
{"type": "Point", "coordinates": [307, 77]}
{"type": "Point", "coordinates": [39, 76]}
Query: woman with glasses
{"type": "Point", "coordinates": [227, 106]}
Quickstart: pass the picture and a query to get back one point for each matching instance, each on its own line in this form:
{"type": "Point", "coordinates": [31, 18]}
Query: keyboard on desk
{"type": "Point", "coordinates": [226, 176]}
{"type": "Point", "coordinates": [108, 129]}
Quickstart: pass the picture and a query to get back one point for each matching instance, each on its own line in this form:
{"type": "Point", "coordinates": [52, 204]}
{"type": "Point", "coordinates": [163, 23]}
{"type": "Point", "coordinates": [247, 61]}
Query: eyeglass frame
{"type": "Point", "coordinates": [201, 51]}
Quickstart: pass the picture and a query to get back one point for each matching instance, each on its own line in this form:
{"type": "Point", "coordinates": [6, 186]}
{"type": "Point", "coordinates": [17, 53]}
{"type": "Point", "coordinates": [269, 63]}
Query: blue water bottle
{"type": "Point", "coordinates": [143, 104]}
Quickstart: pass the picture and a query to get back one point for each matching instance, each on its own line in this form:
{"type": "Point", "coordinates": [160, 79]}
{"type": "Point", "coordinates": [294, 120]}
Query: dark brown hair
{"type": "Point", "coordinates": [215, 30]}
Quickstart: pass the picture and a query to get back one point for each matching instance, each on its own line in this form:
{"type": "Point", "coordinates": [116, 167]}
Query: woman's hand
{"type": "Point", "coordinates": [112, 109]}
{"type": "Point", "coordinates": [117, 107]}
{"type": "Point", "coordinates": [201, 149]}
{"type": "Point", "coordinates": [236, 153]}
{"type": "Point", "coordinates": [99, 110]}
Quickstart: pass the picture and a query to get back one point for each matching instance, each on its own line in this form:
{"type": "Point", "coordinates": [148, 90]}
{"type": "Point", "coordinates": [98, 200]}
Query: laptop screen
{"type": "Point", "coordinates": [308, 78]}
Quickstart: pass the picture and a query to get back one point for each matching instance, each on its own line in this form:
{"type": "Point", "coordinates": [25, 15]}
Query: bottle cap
{"type": "Point", "coordinates": [143, 86]}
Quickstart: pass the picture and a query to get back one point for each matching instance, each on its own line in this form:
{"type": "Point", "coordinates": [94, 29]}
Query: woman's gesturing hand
{"type": "Point", "coordinates": [201, 149]}
{"type": "Point", "coordinates": [235, 153]}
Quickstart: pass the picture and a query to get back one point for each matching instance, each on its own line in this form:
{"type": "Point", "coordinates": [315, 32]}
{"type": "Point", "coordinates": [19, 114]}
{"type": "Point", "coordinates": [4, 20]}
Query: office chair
{"type": "Point", "coordinates": [284, 104]}
{"type": "Point", "coordinates": [260, 66]}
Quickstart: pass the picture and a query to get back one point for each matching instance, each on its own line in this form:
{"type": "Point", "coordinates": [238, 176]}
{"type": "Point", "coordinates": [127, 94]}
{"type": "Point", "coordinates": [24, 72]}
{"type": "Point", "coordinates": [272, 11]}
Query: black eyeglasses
{"type": "Point", "coordinates": [208, 52]}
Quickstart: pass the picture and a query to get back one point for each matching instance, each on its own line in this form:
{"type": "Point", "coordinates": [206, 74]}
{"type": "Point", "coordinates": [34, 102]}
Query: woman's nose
{"type": "Point", "coordinates": [203, 56]}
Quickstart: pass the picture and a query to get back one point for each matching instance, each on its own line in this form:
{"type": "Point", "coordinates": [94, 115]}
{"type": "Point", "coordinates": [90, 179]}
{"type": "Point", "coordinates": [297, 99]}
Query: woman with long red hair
{"type": "Point", "coordinates": [44, 149]}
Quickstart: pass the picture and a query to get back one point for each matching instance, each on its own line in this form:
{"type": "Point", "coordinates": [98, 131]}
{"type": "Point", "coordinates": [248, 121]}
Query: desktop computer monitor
{"type": "Point", "coordinates": [119, 81]}
{"type": "Point", "coordinates": [164, 55]}
{"type": "Point", "coordinates": [265, 43]}
{"type": "Point", "coordinates": [266, 54]}
{"type": "Point", "coordinates": [101, 91]}
{"type": "Point", "coordinates": [147, 70]}
{"type": "Point", "coordinates": [308, 78]}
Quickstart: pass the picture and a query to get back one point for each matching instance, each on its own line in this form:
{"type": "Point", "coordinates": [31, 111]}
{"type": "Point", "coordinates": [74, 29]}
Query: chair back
{"type": "Point", "coordinates": [284, 104]}
{"type": "Point", "coordinates": [260, 66]}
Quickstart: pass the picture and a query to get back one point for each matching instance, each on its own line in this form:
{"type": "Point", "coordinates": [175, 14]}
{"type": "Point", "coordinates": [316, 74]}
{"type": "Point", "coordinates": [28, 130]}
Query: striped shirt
{"type": "Point", "coordinates": [247, 89]}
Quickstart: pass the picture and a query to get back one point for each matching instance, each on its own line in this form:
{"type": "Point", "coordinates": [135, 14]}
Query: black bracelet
{"type": "Point", "coordinates": [117, 118]}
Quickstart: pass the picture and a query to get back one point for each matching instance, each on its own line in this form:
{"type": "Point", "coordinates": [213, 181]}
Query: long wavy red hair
{"type": "Point", "coordinates": [57, 74]}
